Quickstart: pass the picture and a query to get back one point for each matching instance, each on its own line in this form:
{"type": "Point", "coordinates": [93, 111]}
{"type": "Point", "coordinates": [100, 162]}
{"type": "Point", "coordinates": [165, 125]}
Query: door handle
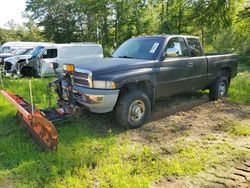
{"type": "Point", "coordinates": [190, 64]}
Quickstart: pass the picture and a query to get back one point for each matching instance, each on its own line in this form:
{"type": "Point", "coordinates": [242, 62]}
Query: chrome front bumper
{"type": "Point", "coordinates": [96, 100]}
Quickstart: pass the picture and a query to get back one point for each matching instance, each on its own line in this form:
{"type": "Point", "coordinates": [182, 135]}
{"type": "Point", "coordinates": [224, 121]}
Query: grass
{"type": "Point", "coordinates": [239, 90]}
{"type": "Point", "coordinates": [240, 128]}
{"type": "Point", "coordinates": [94, 153]}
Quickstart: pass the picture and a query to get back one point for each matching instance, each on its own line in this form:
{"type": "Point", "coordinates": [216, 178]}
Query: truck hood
{"type": "Point", "coordinates": [6, 55]}
{"type": "Point", "coordinates": [13, 60]}
{"type": "Point", "coordinates": [108, 65]}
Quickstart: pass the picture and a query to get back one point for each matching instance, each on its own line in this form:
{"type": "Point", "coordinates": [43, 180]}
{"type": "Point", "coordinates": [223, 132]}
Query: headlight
{"type": "Point", "coordinates": [68, 67]}
{"type": "Point", "coordinates": [104, 84]}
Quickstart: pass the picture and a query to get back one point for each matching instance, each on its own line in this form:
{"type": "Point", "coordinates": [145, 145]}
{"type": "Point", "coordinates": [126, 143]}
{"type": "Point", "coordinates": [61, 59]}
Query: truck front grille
{"type": "Point", "coordinates": [82, 75]}
{"type": "Point", "coordinates": [82, 78]}
{"type": "Point", "coordinates": [81, 82]}
{"type": "Point", "coordinates": [7, 66]}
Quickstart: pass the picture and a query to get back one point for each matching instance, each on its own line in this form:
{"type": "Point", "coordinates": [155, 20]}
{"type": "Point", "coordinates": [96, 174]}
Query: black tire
{"type": "Point", "coordinates": [219, 88]}
{"type": "Point", "coordinates": [133, 109]}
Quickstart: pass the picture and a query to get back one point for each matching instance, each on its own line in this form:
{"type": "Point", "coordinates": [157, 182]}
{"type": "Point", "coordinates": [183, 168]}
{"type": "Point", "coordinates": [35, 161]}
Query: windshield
{"type": "Point", "coordinates": [36, 51]}
{"type": "Point", "coordinates": [6, 49]}
{"type": "Point", "coordinates": [22, 51]}
{"type": "Point", "coordinates": [138, 48]}
{"type": "Point", "coordinates": [28, 52]}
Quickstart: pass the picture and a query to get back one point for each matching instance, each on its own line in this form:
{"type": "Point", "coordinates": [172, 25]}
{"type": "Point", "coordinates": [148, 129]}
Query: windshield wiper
{"type": "Point", "coordinates": [125, 57]}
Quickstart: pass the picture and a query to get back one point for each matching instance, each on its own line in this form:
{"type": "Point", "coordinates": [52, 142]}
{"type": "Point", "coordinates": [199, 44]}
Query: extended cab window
{"type": "Point", "coordinates": [194, 47]}
{"type": "Point", "coordinates": [179, 44]}
{"type": "Point", "coordinates": [50, 53]}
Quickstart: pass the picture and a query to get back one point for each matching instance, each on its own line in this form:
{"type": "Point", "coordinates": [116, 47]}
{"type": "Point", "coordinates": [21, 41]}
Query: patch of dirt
{"type": "Point", "coordinates": [169, 182]}
{"type": "Point", "coordinates": [192, 120]}
{"type": "Point", "coordinates": [238, 176]}
{"type": "Point", "coordinates": [9, 183]}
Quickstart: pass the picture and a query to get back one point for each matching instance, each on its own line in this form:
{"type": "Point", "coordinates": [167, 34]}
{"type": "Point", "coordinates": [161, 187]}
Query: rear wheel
{"type": "Point", "coordinates": [133, 109]}
{"type": "Point", "coordinates": [219, 88]}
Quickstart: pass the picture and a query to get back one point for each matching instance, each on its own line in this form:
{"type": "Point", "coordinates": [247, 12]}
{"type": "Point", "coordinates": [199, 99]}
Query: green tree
{"type": "Point", "coordinates": [111, 22]}
{"type": "Point", "coordinates": [16, 32]}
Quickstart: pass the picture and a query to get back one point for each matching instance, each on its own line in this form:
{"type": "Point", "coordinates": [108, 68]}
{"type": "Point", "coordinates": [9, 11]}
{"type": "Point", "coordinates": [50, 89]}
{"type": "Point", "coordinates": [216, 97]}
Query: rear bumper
{"type": "Point", "coordinates": [96, 100]}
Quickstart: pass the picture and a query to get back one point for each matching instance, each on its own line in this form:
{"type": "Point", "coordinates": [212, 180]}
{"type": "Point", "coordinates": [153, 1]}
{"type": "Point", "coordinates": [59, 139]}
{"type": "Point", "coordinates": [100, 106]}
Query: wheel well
{"type": "Point", "coordinates": [145, 86]}
{"type": "Point", "coordinates": [225, 72]}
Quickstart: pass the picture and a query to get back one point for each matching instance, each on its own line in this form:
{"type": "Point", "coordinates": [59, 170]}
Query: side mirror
{"type": "Point", "coordinates": [40, 57]}
{"type": "Point", "coordinates": [54, 65]}
{"type": "Point", "coordinates": [44, 54]}
{"type": "Point", "coordinates": [171, 52]}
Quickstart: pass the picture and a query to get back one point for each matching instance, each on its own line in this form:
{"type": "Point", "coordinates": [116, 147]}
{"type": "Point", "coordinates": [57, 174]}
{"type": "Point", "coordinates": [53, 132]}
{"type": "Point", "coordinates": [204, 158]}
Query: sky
{"type": "Point", "coordinates": [11, 9]}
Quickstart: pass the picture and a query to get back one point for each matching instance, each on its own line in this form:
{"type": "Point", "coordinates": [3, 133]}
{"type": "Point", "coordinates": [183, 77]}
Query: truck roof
{"type": "Point", "coordinates": [165, 36]}
{"type": "Point", "coordinates": [63, 45]}
{"type": "Point", "coordinates": [25, 44]}
{"type": "Point", "coordinates": [47, 44]}
{"type": "Point", "coordinates": [77, 44]}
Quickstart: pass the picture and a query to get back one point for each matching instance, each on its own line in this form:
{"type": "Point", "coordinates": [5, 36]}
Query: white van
{"type": "Point", "coordinates": [38, 62]}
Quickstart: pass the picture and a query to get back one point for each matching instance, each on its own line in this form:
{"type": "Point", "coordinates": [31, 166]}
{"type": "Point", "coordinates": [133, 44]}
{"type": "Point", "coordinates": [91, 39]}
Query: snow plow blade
{"type": "Point", "coordinates": [41, 129]}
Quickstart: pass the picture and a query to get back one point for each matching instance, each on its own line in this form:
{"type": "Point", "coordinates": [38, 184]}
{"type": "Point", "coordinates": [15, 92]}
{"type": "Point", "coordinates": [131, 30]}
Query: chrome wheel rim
{"type": "Point", "coordinates": [222, 89]}
{"type": "Point", "coordinates": [136, 111]}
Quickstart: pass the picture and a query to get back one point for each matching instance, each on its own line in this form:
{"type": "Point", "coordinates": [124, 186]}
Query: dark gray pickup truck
{"type": "Point", "coordinates": [145, 68]}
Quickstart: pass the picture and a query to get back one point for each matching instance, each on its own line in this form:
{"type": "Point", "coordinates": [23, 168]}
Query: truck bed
{"type": "Point", "coordinates": [217, 61]}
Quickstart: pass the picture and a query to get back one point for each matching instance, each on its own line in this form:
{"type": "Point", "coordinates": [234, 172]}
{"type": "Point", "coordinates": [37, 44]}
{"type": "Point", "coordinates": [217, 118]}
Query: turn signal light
{"type": "Point", "coordinates": [68, 67]}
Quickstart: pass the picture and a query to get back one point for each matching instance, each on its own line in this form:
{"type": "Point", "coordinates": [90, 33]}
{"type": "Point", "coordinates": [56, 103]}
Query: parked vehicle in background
{"type": "Point", "coordinates": [145, 68]}
{"type": "Point", "coordinates": [7, 63]}
{"type": "Point", "coordinates": [11, 46]}
{"type": "Point", "coordinates": [39, 61]}
{"type": "Point", "coordinates": [17, 52]}
{"type": "Point", "coordinates": [75, 53]}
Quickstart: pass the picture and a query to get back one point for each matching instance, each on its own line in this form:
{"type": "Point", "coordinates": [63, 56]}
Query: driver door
{"type": "Point", "coordinates": [173, 70]}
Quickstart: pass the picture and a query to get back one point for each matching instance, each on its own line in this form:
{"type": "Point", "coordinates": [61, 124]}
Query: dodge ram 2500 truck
{"type": "Point", "coordinates": [145, 68]}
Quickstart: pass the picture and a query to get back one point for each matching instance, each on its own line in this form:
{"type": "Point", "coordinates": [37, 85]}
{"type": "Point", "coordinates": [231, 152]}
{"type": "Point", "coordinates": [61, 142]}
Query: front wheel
{"type": "Point", "coordinates": [219, 88]}
{"type": "Point", "coordinates": [133, 109]}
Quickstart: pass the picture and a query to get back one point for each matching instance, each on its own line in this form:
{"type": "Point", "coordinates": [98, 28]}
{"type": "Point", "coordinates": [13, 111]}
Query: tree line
{"type": "Point", "coordinates": [222, 25]}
